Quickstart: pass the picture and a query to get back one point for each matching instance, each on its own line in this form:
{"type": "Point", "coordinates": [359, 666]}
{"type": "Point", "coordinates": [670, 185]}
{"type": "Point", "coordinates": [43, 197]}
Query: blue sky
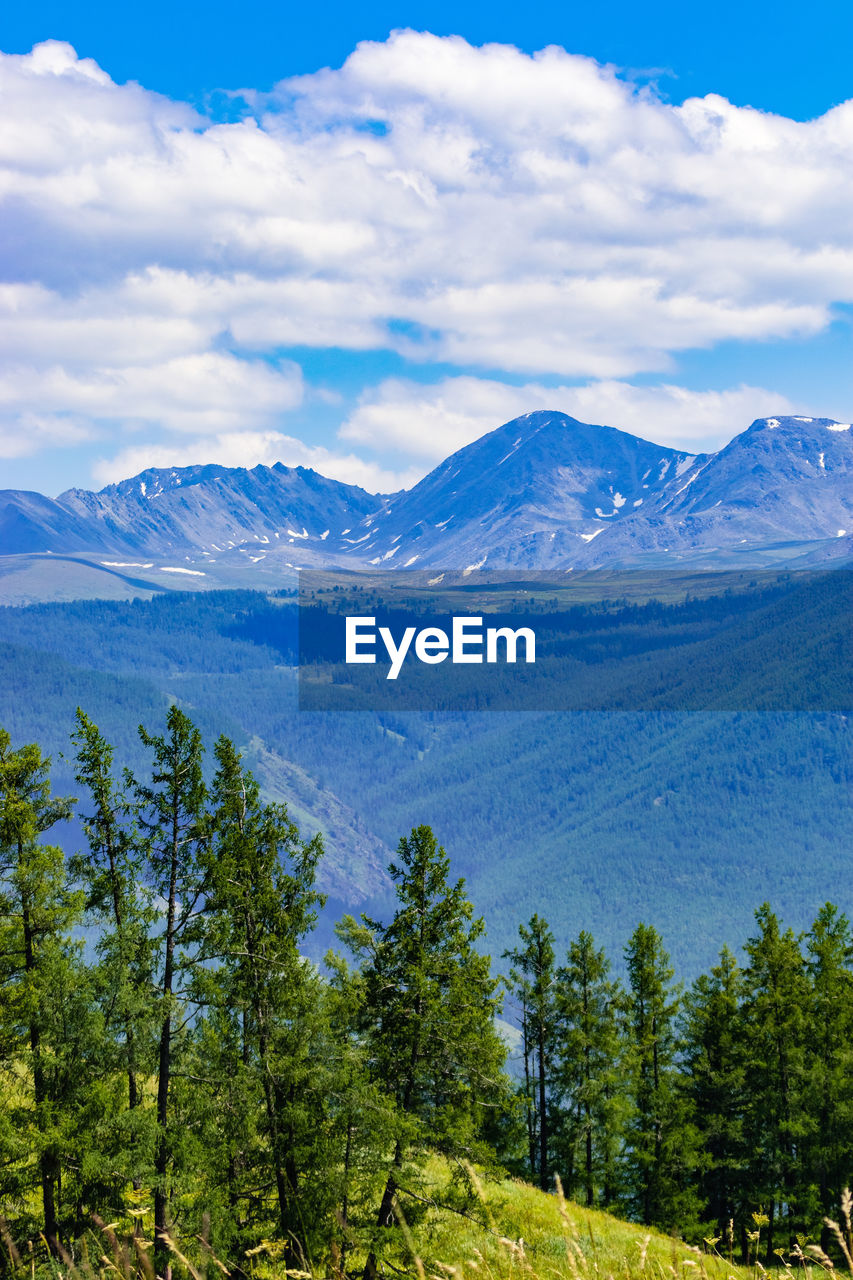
{"type": "Point", "coordinates": [787, 57]}
{"type": "Point", "coordinates": [363, 268]}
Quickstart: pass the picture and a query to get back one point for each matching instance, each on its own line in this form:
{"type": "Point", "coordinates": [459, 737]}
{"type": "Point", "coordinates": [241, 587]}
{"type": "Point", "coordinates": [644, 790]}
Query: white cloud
{"type": "Point", "coordinates": [431, 421]}
{"type": "Point", "coordinates": [193, 394]}
{"type": "Point", "coordinates": [25, 433]}
{"type": "Point", "coordinates": [249, 449]}
{"type": "Point", "coordinates": [512, 202]}
{"type": "Point", "coordinates": [478, 206]}
{"type": "Point", "coordinates": [676, 416]}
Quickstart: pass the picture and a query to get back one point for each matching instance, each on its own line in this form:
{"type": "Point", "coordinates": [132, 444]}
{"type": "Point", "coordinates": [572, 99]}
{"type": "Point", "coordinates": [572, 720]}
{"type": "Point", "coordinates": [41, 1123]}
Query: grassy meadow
{"type": "Point", "coordinates": [509, 1230]}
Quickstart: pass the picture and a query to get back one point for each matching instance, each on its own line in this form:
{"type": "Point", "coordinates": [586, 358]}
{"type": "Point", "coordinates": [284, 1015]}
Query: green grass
{"type": "Point", "coordinates": [506, 1230]}
{"type": "Point", "coordinates": [525, 1232]}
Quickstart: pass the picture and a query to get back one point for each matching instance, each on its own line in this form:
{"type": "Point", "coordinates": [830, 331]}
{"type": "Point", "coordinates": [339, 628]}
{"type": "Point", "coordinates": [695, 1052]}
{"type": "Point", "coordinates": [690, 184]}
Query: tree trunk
{"type": "Point", "coordinates": [272, 1099]}
{"type": "Point", "coordinates": [275, 1145]}
{"type": "Point", "coordinates": [118, 915]}
{"type": "Point", "coordinates": [385, 1217]}
{"type": "Point", "coordinates": [587, 1074]}
{"type": "Point", "coordinates": [345, 1198]}
{"type": "Point", "coordinates": [48, 1164]}
{"type": "Point", "coordinates": [129, 1039]}
{"type": "Point", "coordinates": [543, 1119]}
{"type": "Point", "coordinates": [529, 1106]}
{"type": "Point", "coordinates": [161, 1162]}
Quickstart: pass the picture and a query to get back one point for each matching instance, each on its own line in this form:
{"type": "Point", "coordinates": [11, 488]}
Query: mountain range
{"type": "Point", "coordinates": [543, 491]}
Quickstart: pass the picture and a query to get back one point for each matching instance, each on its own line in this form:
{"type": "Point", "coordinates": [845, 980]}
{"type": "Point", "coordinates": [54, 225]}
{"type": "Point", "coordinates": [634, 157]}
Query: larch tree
{"type": "Point", "coordinates": [263, 996]}
{"type": "Point", "coordinates": [173, 819]}
{"type": "Point", "coordinates": [828, 1083]}
{"type": "Point", "coordinates": [37, 958]}
{"type": "Point", "coordinates": [428, 1013]}
{"type": "Point", "coordinates": [712, 1079]}
{"type": "Point", "coordinates": [120, 905]}
{"type": "Point", "coordinates": [776, 1000]}
{"type": "Point", "coordinates": [590, 1070]}
{"type": "Point", "coordinates": [660, 1147]}
{"type": "Point", "coordinates": [531, 982]}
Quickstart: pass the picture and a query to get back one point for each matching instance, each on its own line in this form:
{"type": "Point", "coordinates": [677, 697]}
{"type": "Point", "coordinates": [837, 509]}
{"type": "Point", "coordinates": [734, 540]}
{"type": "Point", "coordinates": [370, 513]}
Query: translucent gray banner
{"type": "Point", "coordinates": [593, 641]}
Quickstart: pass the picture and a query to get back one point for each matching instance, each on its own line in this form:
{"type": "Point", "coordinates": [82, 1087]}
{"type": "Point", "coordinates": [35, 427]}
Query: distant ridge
{"type": "Point", "coordinates": [542, 491]}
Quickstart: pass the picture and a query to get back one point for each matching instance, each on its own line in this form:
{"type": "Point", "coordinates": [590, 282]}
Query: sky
{"type": "Point", "coordinates": [358, 237]}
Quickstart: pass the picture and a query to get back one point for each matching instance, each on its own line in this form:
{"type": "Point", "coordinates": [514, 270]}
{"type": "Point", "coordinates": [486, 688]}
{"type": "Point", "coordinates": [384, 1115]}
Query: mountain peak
{"type": "Point", "coordinates": [544, 490]}
{"type": "Point", "coordinates": [787, 423]}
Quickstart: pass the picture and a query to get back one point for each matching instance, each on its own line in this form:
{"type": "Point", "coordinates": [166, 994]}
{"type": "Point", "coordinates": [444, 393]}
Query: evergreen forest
{"type": "Point", "coordinates": [687, 820]}
{"type": "Point", "coordinates": [174, 1069]}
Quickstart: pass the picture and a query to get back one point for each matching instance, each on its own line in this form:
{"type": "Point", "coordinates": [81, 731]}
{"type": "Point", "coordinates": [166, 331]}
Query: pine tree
{"type": "Point", "coordinates": [775, 1005]}
{"type": "Point", "coordinates": [590, 1071]}
{"type": "Point", "coordinates": [362, 1119]}
{"type": "Point", "coordinates": [172, 817]}
{"type": "Point", "coordinates": [429, 1008]}
{"type": "Point", "coordinates": [265, 1019]}
{"type": "Point", "coordinates": [661, 1151]}
{"type": "Point", "coordinates": [828, 1083]}
{"type": "Point", "coordinates": [120, 906]}
{"type": "Point", "coordinates": [713, 1080]}
{"type": "Point", "coordinates": [532, 984]}
{"type": "Point", "coordinates": [37, 958]}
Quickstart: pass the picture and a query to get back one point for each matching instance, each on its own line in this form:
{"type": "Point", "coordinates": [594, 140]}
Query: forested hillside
{"type": "Point", "coordinates": [689, 821]}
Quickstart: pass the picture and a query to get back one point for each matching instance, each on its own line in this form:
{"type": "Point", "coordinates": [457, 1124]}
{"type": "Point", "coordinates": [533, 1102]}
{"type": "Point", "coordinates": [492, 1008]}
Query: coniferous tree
{"type": "Point", "coordinates": [590, 1071]}
{"type": "Point", "coordinates": [265, 1003]}
{"type": "Point", "coordinates": [661, 1151]}
{"type": "Point", "coordinates": [201, 1055]}
{"type": "Point", "coordinates": [120, 907]}
{"type": "Point", "coordinates": [713, 1081]}
{"type": "Point", "coordinates": [37, 964]}
{"type": "Point", "coordinates": [775, 1007]}
{"type": "Point", "coordinates": [362, 1116]}
{"type": "Point", "coordinates": [828, 1083]}
{"type": "Point", "coordinates": [532, 984]}
{"type": "Point", "coordinates": [429, 1006]}
{"type": "Point", "coordinates": [172, 817]}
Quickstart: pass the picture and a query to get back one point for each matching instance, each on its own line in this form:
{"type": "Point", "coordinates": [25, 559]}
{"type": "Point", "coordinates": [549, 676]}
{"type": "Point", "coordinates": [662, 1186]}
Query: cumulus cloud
{"type": "Point", "coordinates": [193, 394]}
{"type": "Point", "coordinates": [536, 215]}
{"type": "Point", "coordinates": [249, 449]}
{"type": "Point", "coordinates": [433, 421]}
{"type": "Point", "coordinates": [24, 433]}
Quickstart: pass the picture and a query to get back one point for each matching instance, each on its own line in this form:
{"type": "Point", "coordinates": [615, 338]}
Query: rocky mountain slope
{"type": "Point", "coordinates": [542, 491]}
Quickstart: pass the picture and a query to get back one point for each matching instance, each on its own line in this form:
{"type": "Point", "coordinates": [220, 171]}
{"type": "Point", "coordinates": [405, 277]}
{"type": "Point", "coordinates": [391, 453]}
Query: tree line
{"type": "Point", "coordinates": [168, 1054]}
{"type": "Point", "coordinates": [720, 1112]}
{"type": "Point", "coordinates": [170, 1058]}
